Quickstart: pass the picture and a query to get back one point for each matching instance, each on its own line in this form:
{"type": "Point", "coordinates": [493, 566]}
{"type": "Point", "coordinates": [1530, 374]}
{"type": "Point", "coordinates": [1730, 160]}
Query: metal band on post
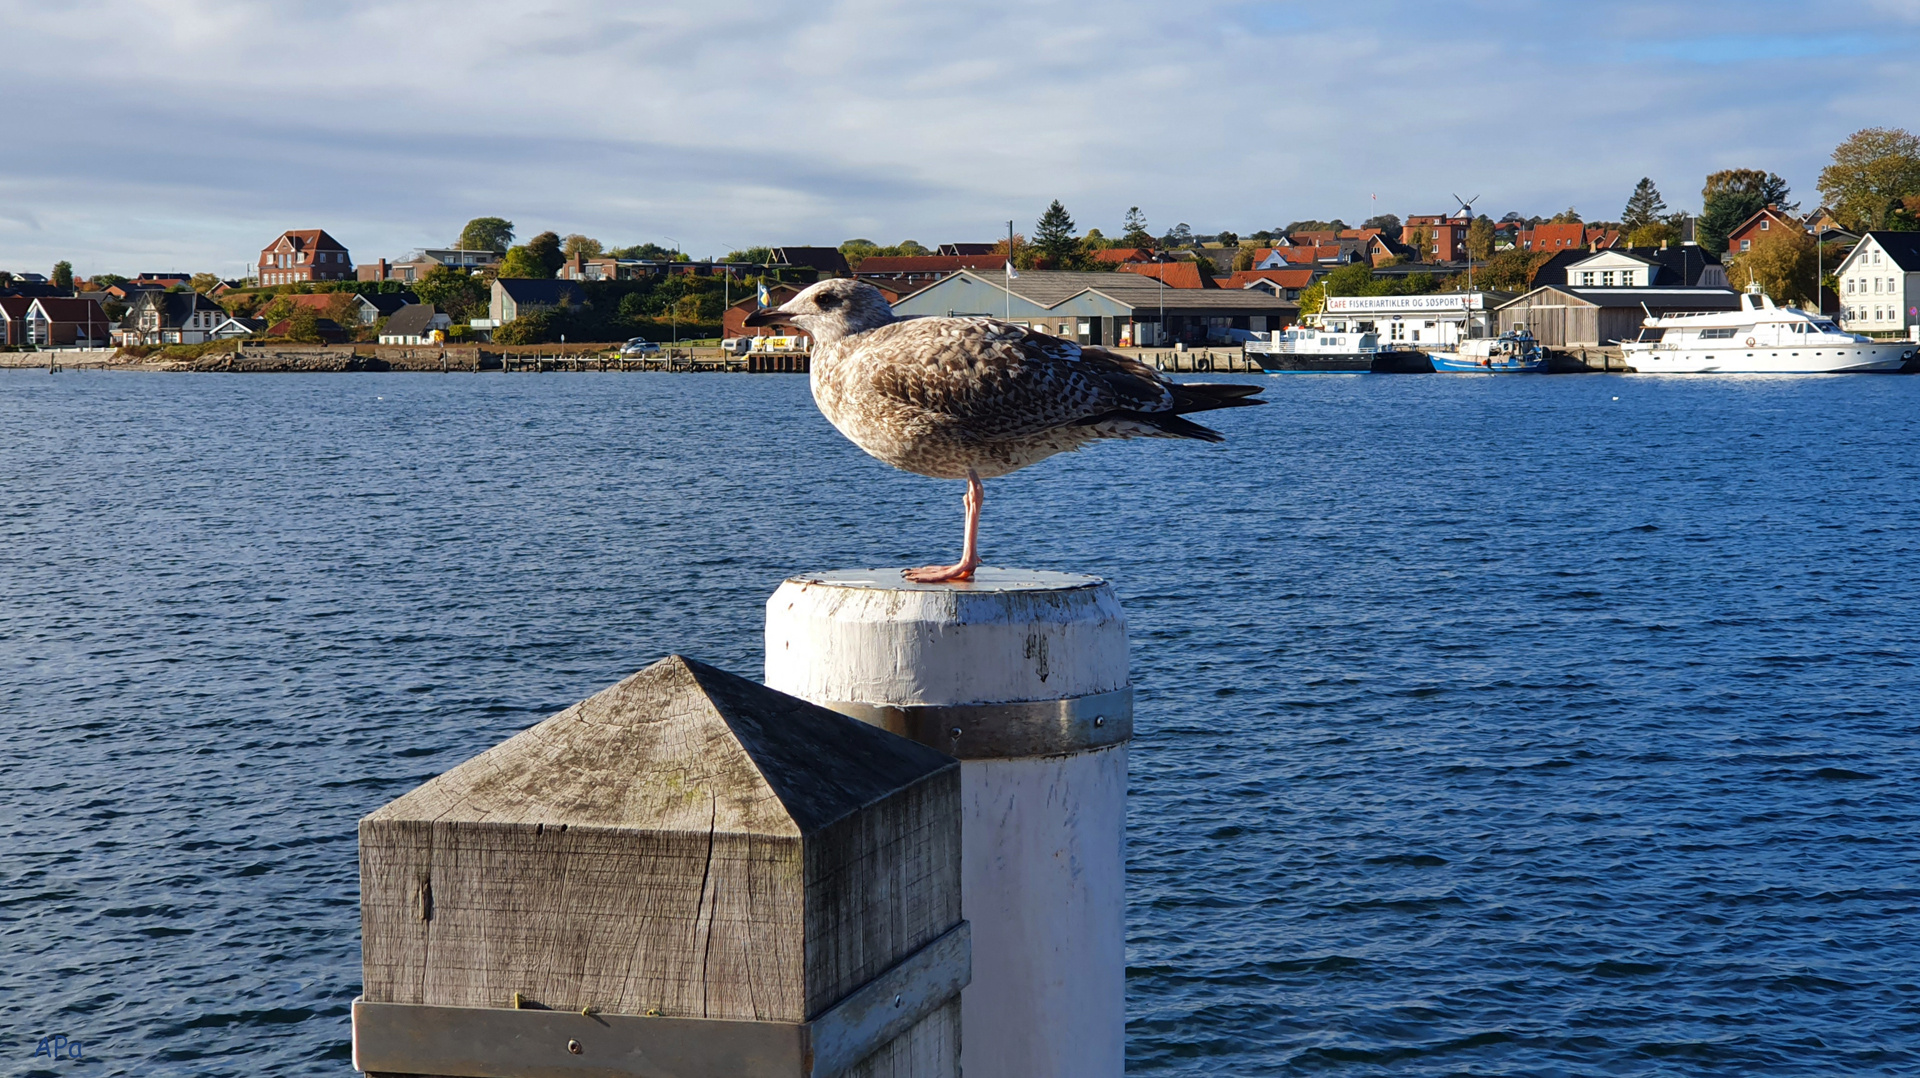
{"type": "Point", "coordinates": [496, 1042]}
{"type": "Point", "coordinates": [1006, 731]}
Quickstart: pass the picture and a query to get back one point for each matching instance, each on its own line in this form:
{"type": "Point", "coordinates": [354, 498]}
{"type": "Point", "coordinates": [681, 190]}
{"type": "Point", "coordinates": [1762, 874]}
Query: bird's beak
{"type": "Point", "coordinates": [767, 316]}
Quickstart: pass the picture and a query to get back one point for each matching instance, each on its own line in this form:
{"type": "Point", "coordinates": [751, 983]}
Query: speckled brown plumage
{"type": "Point", "coordinates": [940, 396]}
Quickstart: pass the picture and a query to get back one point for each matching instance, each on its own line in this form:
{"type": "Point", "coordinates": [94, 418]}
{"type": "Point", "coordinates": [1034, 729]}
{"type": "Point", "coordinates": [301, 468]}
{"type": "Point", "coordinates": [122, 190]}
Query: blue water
{"type": "Point", "coordinates": [1531, 726]}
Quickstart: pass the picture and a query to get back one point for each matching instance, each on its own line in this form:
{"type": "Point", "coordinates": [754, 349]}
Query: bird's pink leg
{"type": "Point", "coordinates": [970, 554]}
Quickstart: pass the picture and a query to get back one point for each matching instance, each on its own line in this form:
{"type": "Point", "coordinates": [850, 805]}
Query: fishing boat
{"type": "Point", "coordinates": [1512, 352]}
{"type": "Point", "coordinates": [1759, 338]}
{"type": "Point", "coordinates": [1325, 350]}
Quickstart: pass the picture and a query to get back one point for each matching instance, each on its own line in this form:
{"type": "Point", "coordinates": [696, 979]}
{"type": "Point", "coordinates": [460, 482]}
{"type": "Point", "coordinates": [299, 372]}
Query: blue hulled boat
{"type": "Point", "coordinates": [1514, 352]}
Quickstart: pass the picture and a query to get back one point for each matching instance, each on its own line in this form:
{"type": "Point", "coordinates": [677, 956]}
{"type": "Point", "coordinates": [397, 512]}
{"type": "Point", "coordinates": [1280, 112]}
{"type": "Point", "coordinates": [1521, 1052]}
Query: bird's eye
{"type": "Point", "coordinates": [827, 302]}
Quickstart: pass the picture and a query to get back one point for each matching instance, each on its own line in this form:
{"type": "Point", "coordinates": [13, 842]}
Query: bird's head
{"type": "Point", "coordinates": [830, 310]}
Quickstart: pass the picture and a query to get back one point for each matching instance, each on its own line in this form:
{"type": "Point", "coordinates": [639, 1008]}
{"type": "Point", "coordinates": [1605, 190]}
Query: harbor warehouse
{"type": "Point", "coordinates": [1120, 309]}
{"type": "Point", "coordinates": [1592, 317]}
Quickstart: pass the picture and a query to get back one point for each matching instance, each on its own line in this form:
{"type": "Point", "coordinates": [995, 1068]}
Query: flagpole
{"type": "Point", "coordinates": [1009, 271]}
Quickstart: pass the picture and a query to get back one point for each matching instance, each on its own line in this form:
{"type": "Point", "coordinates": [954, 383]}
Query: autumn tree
{"type": "Point", "coordinates": [1053, 236]}
{"type": "Point", "coordinates": [1644, 206]}
{"type": "Point", "coordinates": [1480, 238]}
{"type": "Point", "coordinates": [1782, 261]}
{"type": "Point", "coordinates": [303, 324]}
{"type": "Point", "coordinates": [487, 234]}
{"type": "Point", "coordinates": [578, 246]}
{"type": "Point", "coordinates": [523, 263]}
{"type": "Point", "coordinates": [204, 282]}
{"type": "Point", "coordinates": [1872, 174]}
{"type": "Point", "coordinates": [1652, 234]}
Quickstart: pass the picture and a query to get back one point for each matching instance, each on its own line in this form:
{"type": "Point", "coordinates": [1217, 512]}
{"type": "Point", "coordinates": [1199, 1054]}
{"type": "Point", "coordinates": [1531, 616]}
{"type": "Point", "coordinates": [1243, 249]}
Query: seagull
{"type": "Point", "coordinates": [975, 398]}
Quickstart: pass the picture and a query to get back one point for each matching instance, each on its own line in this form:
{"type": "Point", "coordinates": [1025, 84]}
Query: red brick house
{"type": "Point", "coordinates": [1765, 222]}
{"type": "Point", "coordinates": [733, 320]}
{"type": "Point", "coordinates": [54, 322]}
{"type": "Point", "coordinates": [1444, 238]}
{"type": "Point", "coordinates": [302, 255]}
{"type": "Point", "coordinates": [13, 320]}
{"type": "Point", "coordinates": [915, 272]}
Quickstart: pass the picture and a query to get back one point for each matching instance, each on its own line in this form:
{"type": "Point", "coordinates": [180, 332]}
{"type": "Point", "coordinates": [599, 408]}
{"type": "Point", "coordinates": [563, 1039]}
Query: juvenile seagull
{"type": "Point", "coordinates": [967, 398]}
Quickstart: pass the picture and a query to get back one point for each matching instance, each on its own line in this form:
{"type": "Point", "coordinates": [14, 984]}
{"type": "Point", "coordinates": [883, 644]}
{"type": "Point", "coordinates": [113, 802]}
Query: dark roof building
{"type": "Point", "coordinates": [1101, 308]}
{"type": "Point", "coordinates": [515, 296]}
{"type": "Point", "coordinates": [827, 260]}
{"type": "Point", "coordinates": [170, 318]}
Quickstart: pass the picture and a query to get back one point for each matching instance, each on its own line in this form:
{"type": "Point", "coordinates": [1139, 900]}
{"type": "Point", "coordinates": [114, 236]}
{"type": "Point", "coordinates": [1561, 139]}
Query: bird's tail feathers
{"type": "Point", "coordinates": [1154, 425]}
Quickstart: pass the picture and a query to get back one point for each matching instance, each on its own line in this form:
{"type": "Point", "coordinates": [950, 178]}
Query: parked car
{"type": "Point", "coordinates": [640, 346]}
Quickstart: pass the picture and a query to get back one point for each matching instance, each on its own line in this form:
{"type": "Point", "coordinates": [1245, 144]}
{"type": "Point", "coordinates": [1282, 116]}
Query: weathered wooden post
{"type": "Point", "coordinates": [1023, 675]}
{"type": "Point", "coordinates": [687, 875]}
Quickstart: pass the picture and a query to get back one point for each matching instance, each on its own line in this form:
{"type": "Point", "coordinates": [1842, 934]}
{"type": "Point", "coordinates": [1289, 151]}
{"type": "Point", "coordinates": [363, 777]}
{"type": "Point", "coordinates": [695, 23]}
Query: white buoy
{"type": "Point", "coordinates": [1023, 675]}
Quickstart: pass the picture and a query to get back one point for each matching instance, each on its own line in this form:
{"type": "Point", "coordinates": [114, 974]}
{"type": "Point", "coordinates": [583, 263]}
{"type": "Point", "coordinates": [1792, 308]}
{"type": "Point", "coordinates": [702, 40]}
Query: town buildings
{"type": "Point", "coordinates": [66, 322]}
{"type": "Point", "coordinates": [304, 255]}
{"type": "Point", "coordinates": [416, 323]}
{"type": "Point", "coordinates": [1880, 283]}
{"type": "Point", "coordinates": [170, 318]}
{"type": "Point", "coordinates": [1121, 309]}
{"type": "Point", "coordinates": [419, 263]}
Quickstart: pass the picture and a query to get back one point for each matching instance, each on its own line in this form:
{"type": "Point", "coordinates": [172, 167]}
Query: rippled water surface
{"type": "Point", "coordinates": [1532, 726]}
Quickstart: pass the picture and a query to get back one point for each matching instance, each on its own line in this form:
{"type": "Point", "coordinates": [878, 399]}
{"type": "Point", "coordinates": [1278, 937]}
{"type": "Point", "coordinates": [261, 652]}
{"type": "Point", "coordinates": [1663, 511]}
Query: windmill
{"type": "Point", "coordinates": [1466, 212]}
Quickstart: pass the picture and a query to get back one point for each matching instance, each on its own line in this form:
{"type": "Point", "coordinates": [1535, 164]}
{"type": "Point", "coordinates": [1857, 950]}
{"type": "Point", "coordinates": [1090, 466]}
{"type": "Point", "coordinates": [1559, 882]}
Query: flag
{"type": "Point", "coordinates": [765, 299]}
{"type": "Point", "coordinates": [1012, 274]}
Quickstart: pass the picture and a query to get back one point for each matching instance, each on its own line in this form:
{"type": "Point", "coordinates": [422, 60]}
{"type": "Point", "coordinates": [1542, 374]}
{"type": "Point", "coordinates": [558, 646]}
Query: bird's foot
{"type": "Point", "coordinates": [941, 574]}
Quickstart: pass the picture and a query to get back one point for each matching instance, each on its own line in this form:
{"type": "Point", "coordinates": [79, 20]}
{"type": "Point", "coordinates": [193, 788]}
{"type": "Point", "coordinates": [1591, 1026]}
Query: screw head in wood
{"type": "Point", "coordinates": [574, 1047]}
{"type": "Point", "coordinates": [955, 732]}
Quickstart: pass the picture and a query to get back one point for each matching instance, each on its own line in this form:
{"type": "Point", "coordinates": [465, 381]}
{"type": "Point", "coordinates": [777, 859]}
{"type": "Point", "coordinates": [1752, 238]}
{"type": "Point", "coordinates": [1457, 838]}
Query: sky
{"type": "Point", "coordinates": [152, 135]}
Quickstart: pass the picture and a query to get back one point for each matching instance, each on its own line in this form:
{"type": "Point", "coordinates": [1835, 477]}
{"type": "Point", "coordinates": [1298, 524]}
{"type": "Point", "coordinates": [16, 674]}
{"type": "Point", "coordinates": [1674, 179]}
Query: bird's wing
{"type": "Point", "coordinates": [1000, 379]}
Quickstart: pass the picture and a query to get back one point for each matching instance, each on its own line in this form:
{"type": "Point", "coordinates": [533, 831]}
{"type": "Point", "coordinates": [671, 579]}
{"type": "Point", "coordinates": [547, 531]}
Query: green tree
{"type": "Point", "coordinates": [303, 324]}
{"type": "Point", "coordinates": [580, 246]}
{"type": "Point", "coordinates": [1652, 234]}
{"type": "Point", "coordinates": [461, 295]}
{"type": "Point", "coordinates": [204, 282]}
{"type": "Point", "coordinates": [487, 234]}
{"type": "Point", "coordinates": [103, 281]}
{"type": "Point", "coordinates": [1511, 270]}
{"type": "Point", "coordinates": [1480, 238]}
{"type": "Point", "coordinates": [1243, 259]}
{"type": "Point", "coordinates": [1135, 232]}
{"type": "Point", "coordinates": [1872, 173]}
{"type": "Point", "coordinates": [1053, 236]}
{"type": "Point", "coordinates": [1335, 225]}
{"type": "Point", "coordinates": [1387, 223]}
{"type": "Point", "coordinates": [856, 251]}
{"type": "Point", "coordinates": [62, 276]}
{"type": "Point", "coordinates": [1782, 261]}
{"type": "Point", "coordinates": [546, 248]}
{"type": "Point", "coordinates": [522, 262]}
{"type": "Point", "coordinates": [757, 255]}
{"type": "Point", "coordinates": [1771, 189]}
{"type": "Point", "coordinates": [653, 252]}
{"type": "Point", "coordinates": [1725, 210]}
{"type": "Point", "coordinates": [1568, 216]}
{"type": "Point", "coordinates": [1644, 206]}
{"type": "Point", "coordinates": [1178, 236]}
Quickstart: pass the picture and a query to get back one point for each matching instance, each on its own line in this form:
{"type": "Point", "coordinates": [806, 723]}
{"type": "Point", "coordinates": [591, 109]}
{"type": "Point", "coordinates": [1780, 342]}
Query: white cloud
{"type": "Point", "coordinates": [187, 134]}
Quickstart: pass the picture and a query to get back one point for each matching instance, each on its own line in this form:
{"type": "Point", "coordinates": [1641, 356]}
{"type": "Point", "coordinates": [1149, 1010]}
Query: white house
{"type": "Point", "coordinates": [414, 324]}
{"type": "Point", "coordinates": [1647, 267]}
{"type": "Point", "coordinates": [1880, 283]}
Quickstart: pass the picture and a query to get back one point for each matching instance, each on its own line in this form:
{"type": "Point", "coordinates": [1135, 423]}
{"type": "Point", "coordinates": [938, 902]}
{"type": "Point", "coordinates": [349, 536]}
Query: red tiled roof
{"type": "Point", "coordinates": [307, 239]}
{"type": "Point", "coordinates": [1175, 274]}
{"type": "Point", "coordinates": [1554, 237]}
{"type": "Point", "coordinates": [1120, 254]}
{"type": "Point", "coordinates": [1285, 278]}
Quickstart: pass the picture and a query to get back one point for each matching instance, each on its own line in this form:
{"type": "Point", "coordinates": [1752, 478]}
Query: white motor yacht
{"type": "Point", "coordinates": [1759, 338]}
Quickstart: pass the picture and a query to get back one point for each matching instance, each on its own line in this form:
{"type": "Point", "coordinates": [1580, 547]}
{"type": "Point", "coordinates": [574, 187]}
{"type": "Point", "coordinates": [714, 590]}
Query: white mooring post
{"type": "Point", "coordinates": [1023, 676]}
